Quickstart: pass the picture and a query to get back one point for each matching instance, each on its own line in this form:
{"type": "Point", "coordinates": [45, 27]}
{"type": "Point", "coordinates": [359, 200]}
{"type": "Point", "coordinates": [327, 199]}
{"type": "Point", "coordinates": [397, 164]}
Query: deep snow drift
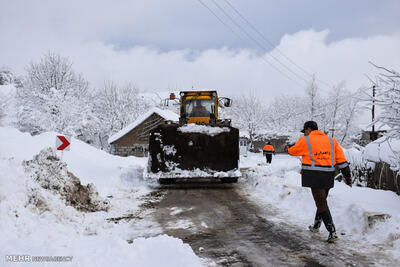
{"type": "Point", "coordinates": [40, 218]}
{"type": "Point", "coordinates": [368, 216]}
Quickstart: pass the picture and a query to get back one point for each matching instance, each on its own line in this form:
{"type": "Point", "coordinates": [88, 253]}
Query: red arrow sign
{"type": "Point", "coordinates": [64, 142]}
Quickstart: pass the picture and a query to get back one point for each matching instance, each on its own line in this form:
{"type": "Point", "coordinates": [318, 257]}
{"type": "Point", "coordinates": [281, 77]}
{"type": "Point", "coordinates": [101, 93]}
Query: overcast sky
{"type": "Point", "coordinates": [171, 44]}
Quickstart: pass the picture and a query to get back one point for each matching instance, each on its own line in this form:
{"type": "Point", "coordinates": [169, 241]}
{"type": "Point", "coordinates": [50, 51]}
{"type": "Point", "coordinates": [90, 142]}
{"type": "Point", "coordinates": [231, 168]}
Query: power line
{"type": "Point", "coordinates": [238, 36]}
{"type": "Point", "coordinates": [263, 37]}
{"type": "Point", "coordinates": [256, 41]}
{"type": "Point", "coordinates": [306, 110]}
{"type": "Point", "coordinates": [271, 44]}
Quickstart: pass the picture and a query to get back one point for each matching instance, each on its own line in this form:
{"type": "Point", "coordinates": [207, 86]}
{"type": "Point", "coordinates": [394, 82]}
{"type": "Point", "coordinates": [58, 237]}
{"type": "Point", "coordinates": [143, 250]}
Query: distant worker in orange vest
{"type": "Point", "coordinates": [320, 155]}
{"type": "Point", "coordinates": [268, 151]}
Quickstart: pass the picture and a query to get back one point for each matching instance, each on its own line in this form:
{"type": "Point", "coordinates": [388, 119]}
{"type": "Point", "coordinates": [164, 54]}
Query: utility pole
{"type": "Point", "coordinates": [373, 135]}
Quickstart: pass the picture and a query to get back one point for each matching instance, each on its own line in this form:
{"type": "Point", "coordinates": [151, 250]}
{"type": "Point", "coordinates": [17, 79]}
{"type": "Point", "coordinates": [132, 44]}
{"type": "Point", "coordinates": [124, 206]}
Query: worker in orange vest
{"type": "Point", "coordinates": [268, 151]}
{"type": "Point", "coordinates": [320, 155]}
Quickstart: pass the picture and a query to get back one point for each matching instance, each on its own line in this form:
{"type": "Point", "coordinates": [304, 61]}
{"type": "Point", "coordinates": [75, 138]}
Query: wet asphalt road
{"type": "Point", "coordinates": [221, 224]}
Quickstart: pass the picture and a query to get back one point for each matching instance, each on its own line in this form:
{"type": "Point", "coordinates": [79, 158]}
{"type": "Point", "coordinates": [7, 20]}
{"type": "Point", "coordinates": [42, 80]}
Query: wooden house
{"type": "Point", "coordinates": [133, 140]}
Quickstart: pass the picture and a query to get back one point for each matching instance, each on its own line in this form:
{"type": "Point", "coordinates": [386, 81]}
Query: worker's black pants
{"type": "Point", "coordinates": [269, 157]}
{"type": "Point", "coordinates": [320, 195]}
{"type": "Point", "coordinates": [323, 213]}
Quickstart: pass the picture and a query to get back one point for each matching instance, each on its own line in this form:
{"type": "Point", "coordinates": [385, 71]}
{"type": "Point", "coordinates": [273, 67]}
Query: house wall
{"type": "Point", "coordinates": [277, 143]}
{"type": "Point", "coordinates": [136, 142]}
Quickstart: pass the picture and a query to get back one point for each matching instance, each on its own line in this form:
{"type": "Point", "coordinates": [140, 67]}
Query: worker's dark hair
{"type": "Point", "coordinates": [268, 143]}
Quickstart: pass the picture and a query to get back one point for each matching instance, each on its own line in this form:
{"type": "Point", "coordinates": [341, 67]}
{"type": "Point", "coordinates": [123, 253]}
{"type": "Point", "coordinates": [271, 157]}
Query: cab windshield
{"type": "Point", "coordinates": [198, 107]}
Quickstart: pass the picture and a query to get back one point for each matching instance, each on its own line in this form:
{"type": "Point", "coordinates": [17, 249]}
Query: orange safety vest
{"type": "Point", "coordinates": [319, 152]}
{"type": "Point", "coordinates": [269, 149]}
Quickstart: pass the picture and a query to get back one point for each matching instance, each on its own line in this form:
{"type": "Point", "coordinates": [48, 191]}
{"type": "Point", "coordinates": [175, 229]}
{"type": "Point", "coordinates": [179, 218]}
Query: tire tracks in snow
{"type": "Point", "coordinates": [221, 224]}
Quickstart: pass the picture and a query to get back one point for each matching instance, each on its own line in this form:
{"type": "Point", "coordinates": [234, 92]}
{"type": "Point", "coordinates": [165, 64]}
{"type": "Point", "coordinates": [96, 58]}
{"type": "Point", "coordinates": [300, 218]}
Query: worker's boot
{"type": "Point", "coordinates": [317, 223]}
{"type": "Point", "coordinates": [327, 219]}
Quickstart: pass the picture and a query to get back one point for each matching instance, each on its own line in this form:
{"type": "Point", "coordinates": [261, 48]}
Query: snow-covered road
{"type": "Point", "coordinates": [262, 220]}
{"type": "Point", "coordinates": [224, 226]}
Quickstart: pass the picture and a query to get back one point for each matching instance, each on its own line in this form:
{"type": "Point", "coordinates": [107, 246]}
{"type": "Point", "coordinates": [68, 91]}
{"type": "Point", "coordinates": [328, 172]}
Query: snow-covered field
{"type": "Point", "coordinates": [36, 221]}
{"type": "Point", "coordinates": [361, 214]}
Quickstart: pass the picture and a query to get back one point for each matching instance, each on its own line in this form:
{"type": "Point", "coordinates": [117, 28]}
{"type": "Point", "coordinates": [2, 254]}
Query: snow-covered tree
{"type": "Point", "coordinates": [116, 107]}
{"type": "Point", "coordinates": [341, 108]}
{"type": "Point", "coordinates": [54, 98]}
{"type": "Point", "coordinates": [286, 113]}
{"type": "Point", "coordinates": [313, 98]}
{"type": "Point", "coordinates": [249, 114]}
{"type": "Point", "coordinates": [349, 112]}
{"type": "Point", "coordinates": [3, 104]}
{"type": "Point", "coordinates": [387, 98]}
{"type": "Point", "coordinates": [336, 95]}
{"type": "Point", "coordinates": [8, 77]}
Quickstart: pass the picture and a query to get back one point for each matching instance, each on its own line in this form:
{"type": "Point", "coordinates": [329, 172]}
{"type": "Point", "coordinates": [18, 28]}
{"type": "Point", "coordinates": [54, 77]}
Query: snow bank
{"type": "Point", "coordinates": [52, 174]}
{"type": "Point", "coordinates": [107, 251]}
{"type": "Point", "coordinates": [38, 219]}
{"type": "Point", "coordinates": [205, 129]}
{"type": "Point", "coordinates": [88, 163]}
{"type": "Point", "coordinates": [384, 150]}
{"type": "Point", "coordinates": [359, 213]}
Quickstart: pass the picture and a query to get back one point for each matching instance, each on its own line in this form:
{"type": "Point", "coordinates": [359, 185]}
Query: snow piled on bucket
{"type": "Point", "coordinates": [197, 173]}
{"type": "Point", "coordinates": [359, 213]}
{"type": "Point", "coordinates": [204, 129]}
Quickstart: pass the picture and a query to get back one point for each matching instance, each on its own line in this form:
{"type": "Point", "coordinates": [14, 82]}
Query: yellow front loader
{"type": "Point", "coordinates": [200, 146]}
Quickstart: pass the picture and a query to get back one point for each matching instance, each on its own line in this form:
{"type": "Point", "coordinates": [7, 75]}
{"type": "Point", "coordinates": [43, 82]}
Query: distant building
{"type": "Point", "coordinates": [133, 140]}
{"type": "Point", "coordinates": [276, 142]}
{"type": "Point", "coordinates": [243, 145]}
{"type": "Point", "coordinates": [262, 137]}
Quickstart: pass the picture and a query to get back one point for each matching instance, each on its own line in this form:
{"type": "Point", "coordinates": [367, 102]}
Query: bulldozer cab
{"type": "Point", "coordinates": [199, 107]}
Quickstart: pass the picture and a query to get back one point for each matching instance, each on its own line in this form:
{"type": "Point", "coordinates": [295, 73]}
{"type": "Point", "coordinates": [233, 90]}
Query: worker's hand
{"type": "Point", "coordinates": [348, 181]}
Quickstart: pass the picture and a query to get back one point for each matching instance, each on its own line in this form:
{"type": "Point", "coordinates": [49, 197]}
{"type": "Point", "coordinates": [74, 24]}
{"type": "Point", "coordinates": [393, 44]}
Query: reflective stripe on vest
{"type": "Point", "coordinates": [319, 168]}
{"type": "Point", "coordinates": [343, 165]}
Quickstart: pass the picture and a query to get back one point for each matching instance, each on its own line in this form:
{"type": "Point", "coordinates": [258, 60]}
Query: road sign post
{"type": "Point", "coordinates": [63, 143]}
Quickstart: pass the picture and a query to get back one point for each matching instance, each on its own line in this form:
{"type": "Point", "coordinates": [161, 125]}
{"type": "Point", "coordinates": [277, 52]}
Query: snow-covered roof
{"type": "Point", "coordinates": [166, 114]}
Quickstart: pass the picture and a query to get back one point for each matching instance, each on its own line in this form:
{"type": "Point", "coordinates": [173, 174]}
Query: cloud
{"type": "Point", "coordinates": [231, 71]}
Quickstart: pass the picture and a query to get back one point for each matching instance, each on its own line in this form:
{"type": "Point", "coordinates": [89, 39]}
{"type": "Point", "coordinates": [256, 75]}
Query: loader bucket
{"type": "Point", "coordinates": [193, 152]}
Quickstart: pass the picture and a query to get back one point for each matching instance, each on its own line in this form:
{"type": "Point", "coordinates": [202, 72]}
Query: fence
{"type": "Point", "coordinates": [382, 177]}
